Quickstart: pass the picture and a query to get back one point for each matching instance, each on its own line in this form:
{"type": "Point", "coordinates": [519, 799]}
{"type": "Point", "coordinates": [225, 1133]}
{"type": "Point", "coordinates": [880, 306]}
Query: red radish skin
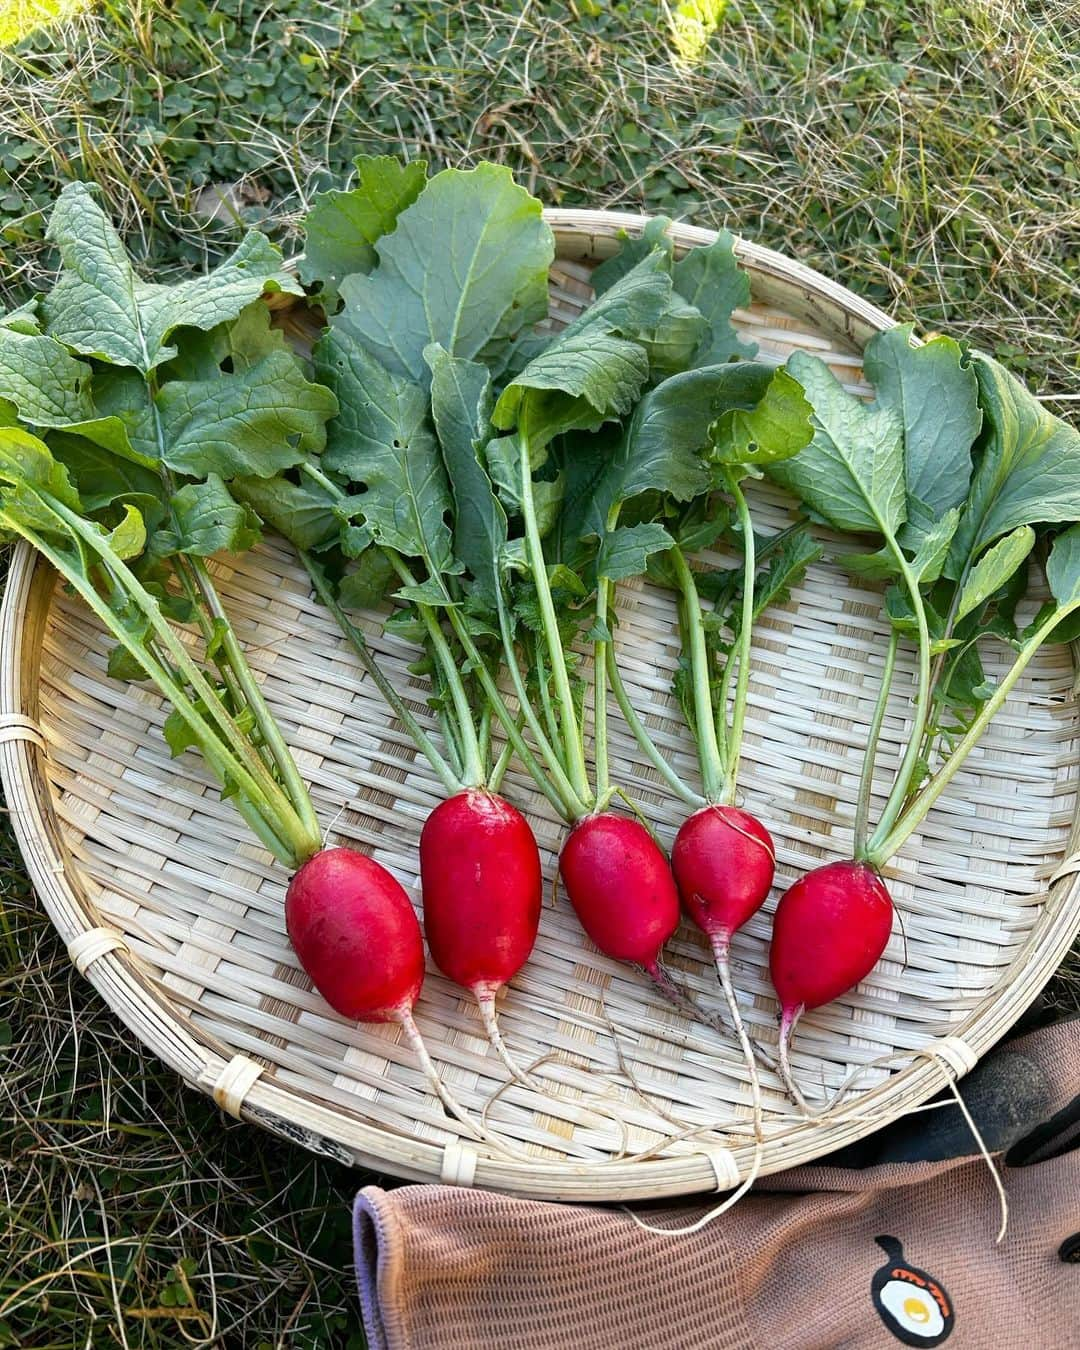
{"type": "Point", "coordinates": [829, 932]}
{"type": "Point", "coordinates": [357, 936]}
{"type": "Point", "coordinates": [724, 860]}
{"type": "Point", "coordinates": [622, 890]}
{"type": "Point", "coordinates": [482, 886]}
{"type": "Point", "coordinates": [621, 887]}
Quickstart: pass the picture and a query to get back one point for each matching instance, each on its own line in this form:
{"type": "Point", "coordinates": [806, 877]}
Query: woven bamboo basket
{"type": "Point", "coordinates": [175, 914]}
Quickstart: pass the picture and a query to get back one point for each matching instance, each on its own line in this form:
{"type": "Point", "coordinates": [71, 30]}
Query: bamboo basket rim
{"type": "Point", "coordinates": [240, 1084]}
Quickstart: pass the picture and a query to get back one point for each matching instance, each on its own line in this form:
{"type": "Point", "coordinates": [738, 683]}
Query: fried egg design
{"type": "Point", "coordinates": [912, 1304]}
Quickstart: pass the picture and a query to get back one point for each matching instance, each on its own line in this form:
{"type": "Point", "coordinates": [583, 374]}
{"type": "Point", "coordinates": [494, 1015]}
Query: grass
{"type": "Point", "coordinates": [921, 152]}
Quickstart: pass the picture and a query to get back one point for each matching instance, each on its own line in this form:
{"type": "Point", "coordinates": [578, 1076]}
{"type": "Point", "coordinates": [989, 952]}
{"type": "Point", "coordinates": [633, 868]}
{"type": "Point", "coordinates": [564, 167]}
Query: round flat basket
{"type": "Point", "coordinates": [175, 914]}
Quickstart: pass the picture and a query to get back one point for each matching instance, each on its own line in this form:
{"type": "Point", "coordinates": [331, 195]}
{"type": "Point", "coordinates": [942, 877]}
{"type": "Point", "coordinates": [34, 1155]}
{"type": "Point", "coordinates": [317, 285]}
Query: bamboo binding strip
{"type": "Point", "coordinates": [175, 914]}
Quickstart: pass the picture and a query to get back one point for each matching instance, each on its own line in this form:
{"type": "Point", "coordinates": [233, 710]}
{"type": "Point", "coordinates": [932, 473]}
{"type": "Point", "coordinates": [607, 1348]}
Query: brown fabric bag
{"type": "Point", "coordinates": [819, 1257]}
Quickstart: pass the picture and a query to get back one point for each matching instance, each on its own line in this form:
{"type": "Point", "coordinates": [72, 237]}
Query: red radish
{"type": "Point", "coordinates": [622, 890]}
{"type": "Point", "coordinates": [724, 860]}
{"type": "Point", "coordinates": [480, 874]}
{"type": "Point", "coordinates": [357, 936]}
{"type": "Point", "coordinates": [829, 931]}
{"type": "Point", "coordinates": [482, 888]}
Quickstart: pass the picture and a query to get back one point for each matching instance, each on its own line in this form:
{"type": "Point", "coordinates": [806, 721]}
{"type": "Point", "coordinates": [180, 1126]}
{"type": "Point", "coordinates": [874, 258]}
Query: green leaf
{"type": "Point", "coordinates": [123, 399]}
{"type": "Point", "coordinates": [1063, 567]}
{"type": "Point", "coordinates": [254, 422]}
{"type": "Point", "coordinates": [501, 458]}
{"type": "Point", "coordinates": [679, 334]}
{"type": "Point", "coordinates": [22, 319]}
{"type": "Point", "coordinates": [103, 478]}
{"type": "Point", "coordinates": [660, 450]}
{"type": "Point", "coordinates": [180, 737]}
{"type": "Point", "coordinates": [932, 553]}
{"type": "Point", "coordinates": [1029, 469]}
{"type": "Point", "coordinates": [994, 568]}
{"type": "Point", "coordinates": [381, 439]}
{"type": "Point", "coordinates": [206, 520]}
{"type": "Point", "coordinates": [625, 551]}
{"type": "Point", "coordinates": [874, 566]}
{"type": "Point", "coordinates": [466, 267]}
{"type": "Point", "coordinates": [936, 395]}
{"type": "Point", "coordinates": [429, 592]}
{"type": "Point", "coordinates": [128, 538]}
{"type": "Point", "coordinates": [580, 381]}
{"type": "Point", "coordinates": [304, 513]}
{"type": "Point", "coordinates": [710, 279]}
{"type": "Point", "coordinates": [461, 404]}
{"type": "Point", "coordinates": [548, 495]}
{"type": "Point", "coordinates": [341, 228]}
{"type": "Point", "coordinates": [46, 384]}
{"type": "Point", "coordinates": [852, 472]}
{"type": "Point", "coordinates": [787, 565]}
{"type": "Point", "coordinates": [121, 665]}
{"type": "Point", "coordinates": [770, 423]}
{"type": "Point", "coordinates": [99, 307]}
{"type": "Point", "coordinates": [632, 249]}
{"type": "Point", "coordinates": [633, 307]}
{"type": "Point", "coordinates": [27, 461]}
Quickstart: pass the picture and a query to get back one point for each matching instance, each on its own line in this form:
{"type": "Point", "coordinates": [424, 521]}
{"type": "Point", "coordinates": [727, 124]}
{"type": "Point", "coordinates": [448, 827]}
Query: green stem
{"type": "Point", "coordinates": [498, 773]}
{"type": "Point", "coordinates": [359, 644]}
{"type": "Point", "coordinates": [279, 830]}
{"type": "Point", "coordinates": [543, 684]}
{"type": "Point", "coordinates": [264, 718]}
{"type": "Point", "coordinates": [546, 748]}
{"type": "Point", "coordinates": [922, 705]}
{"type": "Point", "coordinates": [556, 787]}
{"type": "Point", "coordinates": [931, 734]}
{"type": "Point", "coordinates": [742, 684]}
{"type": "Point", "coordinates": [712, 766]}
{"type": "Point", "coordinates": [641, 734]}
{"type": "Point", "coordinates": [215, 711]}
{"type": "Point", "coordinates": [473, 765]}
{"type": "Point", "coordinates": [485, 734]}
{"type": "Point", "coordinates": [916, 813]}
{"type": "Point", "coordinates": [449, 734]}
{"type": "Point", "coordinates": [573, 749]}
{"type": "Point", "coordinates": [206, 627]}
{"type": "Point", "coordinates": [866, 781]}
{"type": "Point", "coordinates": [604, 589]}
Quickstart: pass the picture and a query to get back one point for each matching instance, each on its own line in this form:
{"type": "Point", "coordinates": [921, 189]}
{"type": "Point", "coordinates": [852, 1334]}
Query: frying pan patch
{"type": "Point", "coordinates": [913, 1305]}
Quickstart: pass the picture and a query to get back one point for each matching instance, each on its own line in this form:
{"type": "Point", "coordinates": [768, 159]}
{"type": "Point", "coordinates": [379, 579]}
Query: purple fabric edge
{"type": "Point", "coordinates": [371, 1241]}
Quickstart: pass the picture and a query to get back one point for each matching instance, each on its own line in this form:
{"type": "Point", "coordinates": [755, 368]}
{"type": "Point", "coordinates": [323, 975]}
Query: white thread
{"type": "Point", "coordinates": [725, 1168]}
{"type": "Point", "coordinates": [234, 1083]}
{"type": "Point", "coordinates": [85, 948]}
{"type": "Point", "coordinates": [956, 1054]}
{"type": "Point", "coordinates": [459, 1165]}
{"type": "Point", "coordinates": [18, 727]}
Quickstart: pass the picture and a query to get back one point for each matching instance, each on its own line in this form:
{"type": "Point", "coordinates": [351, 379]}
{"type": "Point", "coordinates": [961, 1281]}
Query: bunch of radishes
{"type": "Point", "coordinates": [637, 410]}
{"type": "Point", "coordinates": [496, 483]}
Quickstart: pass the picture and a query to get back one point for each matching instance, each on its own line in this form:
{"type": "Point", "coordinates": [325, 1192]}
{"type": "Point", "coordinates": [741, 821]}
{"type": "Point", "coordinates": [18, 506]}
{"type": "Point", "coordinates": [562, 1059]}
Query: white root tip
{"type": "Point", "coordinates": [723, 969]}
{"type": "Point", "coordinates": [485, 1001]}
{"type": "Point", "coordinates": [452, 1105]}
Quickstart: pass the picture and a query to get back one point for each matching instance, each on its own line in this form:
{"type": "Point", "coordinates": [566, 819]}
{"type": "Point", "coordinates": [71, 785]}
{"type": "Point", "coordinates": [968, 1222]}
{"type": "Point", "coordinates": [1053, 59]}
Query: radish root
{"type": "Point", "coordinates": [679, 998]}
{"type": "Point", "coordinates": [416, 1044]}
{"type": "Point", "coordinates": [788, 1022]}
{"type": "Point", "coordinates": [721, 943]}
{"type": "Point", "coordinates": [485, 1001]}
